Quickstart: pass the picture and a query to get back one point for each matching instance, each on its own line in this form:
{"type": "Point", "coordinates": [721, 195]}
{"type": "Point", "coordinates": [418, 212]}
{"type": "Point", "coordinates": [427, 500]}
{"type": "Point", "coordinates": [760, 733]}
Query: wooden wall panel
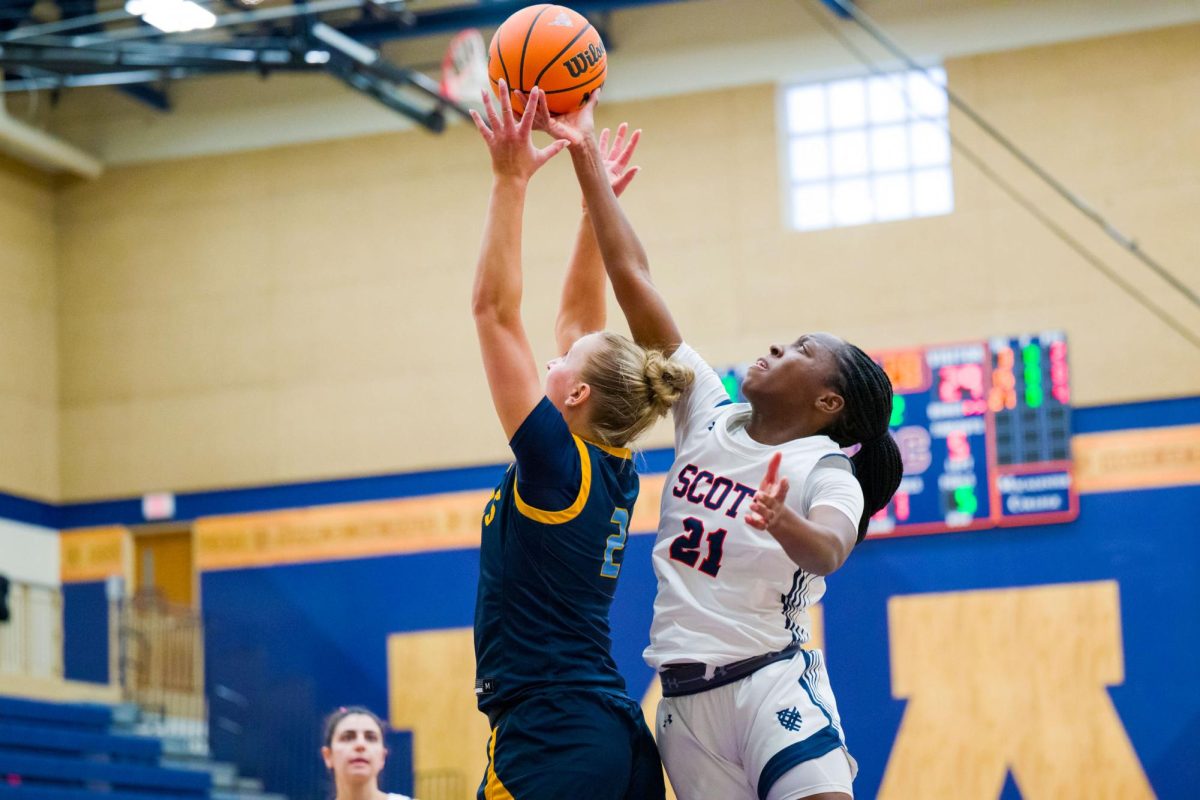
{"type": "Point", "coordinates": [1011, 679]}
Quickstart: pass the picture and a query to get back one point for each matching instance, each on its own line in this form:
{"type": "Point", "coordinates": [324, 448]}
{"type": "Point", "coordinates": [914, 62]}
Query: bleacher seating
{"type": "Point", "coordinates": [64, 751]}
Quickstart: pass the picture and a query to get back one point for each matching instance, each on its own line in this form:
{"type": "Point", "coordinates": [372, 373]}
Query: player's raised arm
{"type": "Point", "coordinates": [496, 300]}
{"type": "Point", "coordinates": [582, 309]}
{"type": "Point", "coordinates": [649, 318]}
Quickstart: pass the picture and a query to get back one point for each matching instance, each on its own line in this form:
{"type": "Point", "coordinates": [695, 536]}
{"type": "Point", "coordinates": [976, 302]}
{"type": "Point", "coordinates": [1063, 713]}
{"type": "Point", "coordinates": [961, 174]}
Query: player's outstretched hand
{"type": "Point", "coordinates": [577, 127]}
{"type": "Point", "coordinates": [768, 504]}
{"type": "Point", "coordinates": [510, 140]}
{"type": "Point", "coordinates": [617, 156]}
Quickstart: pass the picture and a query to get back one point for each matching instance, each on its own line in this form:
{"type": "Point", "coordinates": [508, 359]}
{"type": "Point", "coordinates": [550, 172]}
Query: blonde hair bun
{"type": "Point", "coordinates": [668, 379]}
{"type": "Point", "coordinates": [632, 387]}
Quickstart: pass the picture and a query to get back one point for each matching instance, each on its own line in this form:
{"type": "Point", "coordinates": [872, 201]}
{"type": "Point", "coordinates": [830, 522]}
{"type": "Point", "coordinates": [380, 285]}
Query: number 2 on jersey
{"type": "Point", "coordinates": [610, 568]}
{"type": "Point", "coordinates": [686, 547]}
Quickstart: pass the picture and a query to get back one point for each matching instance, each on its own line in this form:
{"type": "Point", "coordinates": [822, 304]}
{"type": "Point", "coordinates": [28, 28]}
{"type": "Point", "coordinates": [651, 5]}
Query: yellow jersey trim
{"type": "Point", "coordinates": [494, 789]}
{"type": "Point", "coordinates": [619, 452]}
{"type": "Point", "coordinates": [570, 512]}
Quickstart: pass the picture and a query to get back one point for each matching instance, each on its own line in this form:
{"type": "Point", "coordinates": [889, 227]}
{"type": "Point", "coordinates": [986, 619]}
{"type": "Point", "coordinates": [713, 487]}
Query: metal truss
{"type": "Point", "coordinates": [112, 48]}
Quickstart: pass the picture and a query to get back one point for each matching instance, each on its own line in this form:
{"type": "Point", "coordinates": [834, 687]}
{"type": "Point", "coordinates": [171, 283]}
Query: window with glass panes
{"type": "Point", "coordinates": [871, 149]}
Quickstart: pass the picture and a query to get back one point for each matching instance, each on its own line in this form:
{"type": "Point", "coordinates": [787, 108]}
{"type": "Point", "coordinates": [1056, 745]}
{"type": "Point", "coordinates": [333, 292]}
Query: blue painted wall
{"type": "Point", "coordinates": [288, 643]}
{"type": "Point", "coordinates": [1147, 541]}
{"type": "Point", "coordinates": [297, 641]}
{"type": "Point", "coordinates": [85, 632]}
{"type": "Point", "coordinates": [304, 639]}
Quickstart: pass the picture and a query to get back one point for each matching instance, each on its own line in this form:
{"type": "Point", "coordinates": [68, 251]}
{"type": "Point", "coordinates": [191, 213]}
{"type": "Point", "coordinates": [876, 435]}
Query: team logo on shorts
{"type": "Point", "coordinates": [789, 718]}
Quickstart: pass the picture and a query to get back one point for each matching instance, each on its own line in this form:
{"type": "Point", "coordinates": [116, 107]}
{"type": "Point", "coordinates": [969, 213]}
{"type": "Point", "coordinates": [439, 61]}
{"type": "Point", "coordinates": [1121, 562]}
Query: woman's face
{"type": "Point", "coordinates": [804, 371]}
{"type": "Point", "coordinates": [562, 373]}
{"type": "Point", "coordinates": [356, 752]}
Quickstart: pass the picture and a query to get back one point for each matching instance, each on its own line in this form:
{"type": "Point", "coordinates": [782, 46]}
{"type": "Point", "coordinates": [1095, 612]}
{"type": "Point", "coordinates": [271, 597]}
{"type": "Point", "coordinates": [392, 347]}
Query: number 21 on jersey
{"type": "Point", "coordinates": [686, 547]}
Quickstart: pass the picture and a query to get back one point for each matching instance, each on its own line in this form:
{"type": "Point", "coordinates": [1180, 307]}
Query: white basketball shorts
{"type": "Point", "coordinates": [773, 735]}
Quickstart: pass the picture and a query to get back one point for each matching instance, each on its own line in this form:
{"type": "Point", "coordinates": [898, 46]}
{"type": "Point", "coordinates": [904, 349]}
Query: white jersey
{"type": "Point", "coordinates": [727, 591]}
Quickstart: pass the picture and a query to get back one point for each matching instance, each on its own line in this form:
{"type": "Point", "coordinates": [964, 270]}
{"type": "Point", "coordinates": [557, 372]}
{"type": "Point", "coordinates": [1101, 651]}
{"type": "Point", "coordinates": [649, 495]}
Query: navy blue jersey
{"type": "Point", "coordinates": [553, 539]}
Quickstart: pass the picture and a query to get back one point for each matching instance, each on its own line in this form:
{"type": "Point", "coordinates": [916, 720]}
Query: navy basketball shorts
{"type": "Point", "coordinates": [584, 745]}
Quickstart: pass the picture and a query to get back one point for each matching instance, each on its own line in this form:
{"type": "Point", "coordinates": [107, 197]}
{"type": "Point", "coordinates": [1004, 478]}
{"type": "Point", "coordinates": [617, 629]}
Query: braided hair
{"type": "Point", "coordinates": [867, 391]}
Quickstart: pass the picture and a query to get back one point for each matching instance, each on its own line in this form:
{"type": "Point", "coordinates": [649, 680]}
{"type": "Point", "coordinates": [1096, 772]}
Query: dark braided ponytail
{"type": "Point", "coordinates": [864, 420]}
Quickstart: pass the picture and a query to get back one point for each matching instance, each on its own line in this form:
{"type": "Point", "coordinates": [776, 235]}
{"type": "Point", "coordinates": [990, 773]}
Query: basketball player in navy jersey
{"type": "Point", "coordinates": [554, 530]}
{"type": "Point", "coordinates": [760, 505]}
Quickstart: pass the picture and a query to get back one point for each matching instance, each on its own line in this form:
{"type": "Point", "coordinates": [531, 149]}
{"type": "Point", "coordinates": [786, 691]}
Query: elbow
{"type": "Point", "coordinates": [827, 564]}
{"type": "Point", "coordinates": [632, 276]}
{"type": "Point", "coordinates": [490, 314]}
{"type": "Point", "coordinates": [482, 307]}
{"type": "Point", "coordinates": [637, 264]}
{"type": "Point", "coordinates": [486, 306]}
{"type": "Point", "coordinates": [830, 558]}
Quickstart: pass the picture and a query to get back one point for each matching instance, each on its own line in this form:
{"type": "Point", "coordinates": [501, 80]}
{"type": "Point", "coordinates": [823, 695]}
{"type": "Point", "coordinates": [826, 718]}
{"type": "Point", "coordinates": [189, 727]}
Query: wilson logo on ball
{"type": "Point", "coordinates": [550, 47]}
{"type": "Point", "coordinates": [585, 60]}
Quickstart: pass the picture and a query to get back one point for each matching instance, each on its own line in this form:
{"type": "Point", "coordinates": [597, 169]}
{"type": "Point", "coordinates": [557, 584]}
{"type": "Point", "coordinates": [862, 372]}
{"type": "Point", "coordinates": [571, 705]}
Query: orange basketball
{"type": "Point", "coordinates": [551, 47]}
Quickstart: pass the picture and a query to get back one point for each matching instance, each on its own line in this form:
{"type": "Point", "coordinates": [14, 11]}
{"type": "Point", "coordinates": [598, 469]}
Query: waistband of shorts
{"type": "Point", "coordinates": [498, 713]}
{"type": "Point", "coordinates": [682, 679]}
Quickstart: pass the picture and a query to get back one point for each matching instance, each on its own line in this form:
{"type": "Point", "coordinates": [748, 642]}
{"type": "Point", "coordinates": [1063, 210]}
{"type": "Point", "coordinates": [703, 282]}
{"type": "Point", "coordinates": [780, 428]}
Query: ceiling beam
{"type": "Point", "coordinates": [484, 14]}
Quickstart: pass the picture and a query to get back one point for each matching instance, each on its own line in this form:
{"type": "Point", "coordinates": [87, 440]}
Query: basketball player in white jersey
{"type": "Point", "coordinates": [759, 506]}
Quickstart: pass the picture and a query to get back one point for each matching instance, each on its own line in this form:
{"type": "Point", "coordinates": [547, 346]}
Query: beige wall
{"type": "Point", "coordinates": [28, 349]}
{"type": "Point", "coordinates": [302, 312]}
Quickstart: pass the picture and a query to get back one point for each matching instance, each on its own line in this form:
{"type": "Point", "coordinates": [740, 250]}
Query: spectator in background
{"type": "Point", "coordinates": [354, 754]}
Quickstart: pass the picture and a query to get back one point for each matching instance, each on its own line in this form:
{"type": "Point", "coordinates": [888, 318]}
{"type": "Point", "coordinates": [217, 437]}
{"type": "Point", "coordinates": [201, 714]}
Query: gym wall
{"type": "Point", "coordinates": [29, 457]}
{"type": "Point", "coordinates": [303, 312]}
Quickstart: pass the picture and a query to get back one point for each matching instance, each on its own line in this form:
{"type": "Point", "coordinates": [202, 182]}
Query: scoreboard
{"type": "Point", "coordinates": [984, 430]}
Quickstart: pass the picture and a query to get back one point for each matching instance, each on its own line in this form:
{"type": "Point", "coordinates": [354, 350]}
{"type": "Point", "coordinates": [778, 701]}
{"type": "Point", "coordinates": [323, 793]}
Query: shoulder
{"type": "Point", "coordinates": [688, 355]}
{"type": "Point", "coordinates": [544, 422]}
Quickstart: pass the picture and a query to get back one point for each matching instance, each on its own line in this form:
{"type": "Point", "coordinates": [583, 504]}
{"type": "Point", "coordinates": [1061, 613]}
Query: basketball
{"type": "Point", "coordinates": [551, 47]}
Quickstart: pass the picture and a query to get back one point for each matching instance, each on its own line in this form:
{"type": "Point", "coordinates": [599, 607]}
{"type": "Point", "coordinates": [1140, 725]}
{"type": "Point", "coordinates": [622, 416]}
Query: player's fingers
{"type": "Point", "coordinates": [484, 131]}
{"type": "Point", "coordinates": [630, 146]}
{"type": "Point", "coordinates": [551, 150]}
{"type": "Point", "coordinates": [592, 101]}
{"type": "Point", "coordinates": [543, 111]}
{"type": "Point", "coordinates": [531, 103]}
{"type": "Point", "coordinates": [493, 119]}
{"type": "Point", "coordinates": [755, 521]}
{"type": "Point", "coordinates": [782, 491]}
{"type": "Point", "coordinates": [506, 111]}
{"type": "Point", "coordinates": [772, 469]}
{"type": "Point", "coordinates": [541, 120]}
{"type": "Point", "coordinates": [603, 142]}
{"type": "Point", "coordinates": [619, 142]}
{"type": "Point", "coordinates": [517, 94]}
{"type": "Point", "coordinates": [623, 182]}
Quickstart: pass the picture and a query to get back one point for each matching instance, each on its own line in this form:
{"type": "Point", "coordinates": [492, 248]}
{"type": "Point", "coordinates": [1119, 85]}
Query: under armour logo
{"type": "Point", "coordinates": [668, 720]}
{"type": "Point", "coordinates": [562, 21]}
{"type": "Point", "coordinates": [789, 718]}
{"type": "Point", "coordinates": [712, 424]}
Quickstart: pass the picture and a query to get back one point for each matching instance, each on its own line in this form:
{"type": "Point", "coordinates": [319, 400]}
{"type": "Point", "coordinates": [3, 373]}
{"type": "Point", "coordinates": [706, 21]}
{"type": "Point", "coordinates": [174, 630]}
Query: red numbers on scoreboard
{"type": "Point", "coordinates": [963, 383]}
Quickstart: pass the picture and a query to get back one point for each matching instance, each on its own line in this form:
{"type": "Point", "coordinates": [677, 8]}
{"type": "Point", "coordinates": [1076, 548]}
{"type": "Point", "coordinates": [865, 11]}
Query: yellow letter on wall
{"type": "Point", "coordinates": [1010, 679]}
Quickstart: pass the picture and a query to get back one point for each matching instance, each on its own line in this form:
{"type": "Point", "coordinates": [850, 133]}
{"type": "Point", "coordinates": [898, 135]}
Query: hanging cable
{"type": "Point", "coordinates": [1015, 194]}
{"type": "Point", "coordinates": [876, 33]}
